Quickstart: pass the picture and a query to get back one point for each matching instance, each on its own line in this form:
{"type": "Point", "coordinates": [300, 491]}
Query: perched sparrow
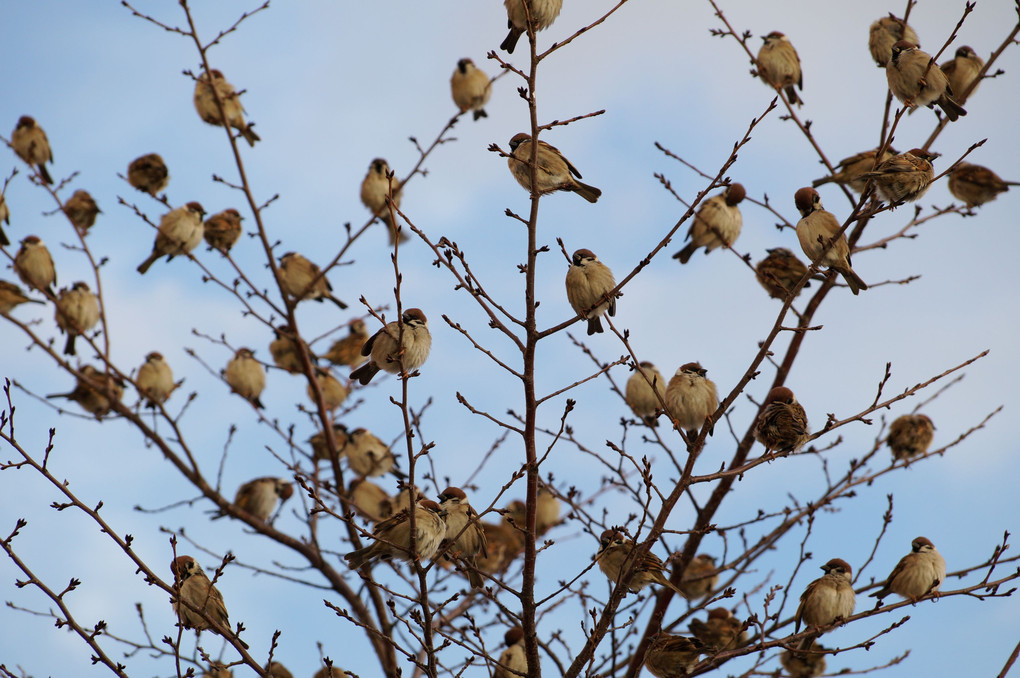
{"type": "Point", "coordinates": [471, 88]}
{"type": "Point", "coordinates": [691, 399]}
{"type": "Point", "coordinates": [81, 210]}
{"type": "Point", "coordinates": [779, 65]}
{"type": "Point", "coordinates": [245, 376]}
{"type": "Point", "coordinates": [553, 172]}
{"type": "Point", "coordinates": [258, 497]}
{"type": "Point", "coordinates": [393, 536]}
{"type": "Point", "coordinates": [886, 32]}
{"type": "Point", "coordinates": [195, 598]}
{"type": "Point", "coordinates": [320, 448]}
{"type": "Point", "coordinates": [391, 350]}
{"type": "Point", "coordinates": [700, 577]}
{"type": "Point", "coordinates": [614, 552]}
{"type": "Point", "coordinates": [209, 111]}
{"type": "Point", "coordinates": [148, 173]}
{"type": "Point", "coordinates": [347, 350]}
{"type": "Point", "coordinates": [541, 12]}
{"type": "Point", "coordinates": [914, 83]}
{"type": "Point", "coordinates": [301, 279]}
{"type": "Point", "coordinates": [547, 510]}
{"type": "Point", "coordinates": [180, 231]}
{"type": "Point", "coordinates": [827, 599]}
{"type": "Point", "coordinates": [589, 283]}
{"type": "Point", "coordinates": [223, 229]}
{"type": "Point", "coordinates": [503, 543]}
{"type": "Point", "coordinates": [278, 670]}
{"type": "Point", "coordinates": [804, 664]}
{"type": "Point", "coordinates": [30, 143]}
{"type": "Point", "coordinates": [406, 496]}
{"type": "Point", "coordinates": [670, 656]}
{"type": "Point", "coordinates": [218, 671]}
{"type": "Point", "coordinates": [333, 392]}
{"type": "Point", "coordinates": [370, 500]}
{"type": "Point", "coordinates": [465, 537]}
{"type": "Point", "coordinates": [5, 218]}
{"type": "Point", "coordinates": [155, 380]}
{"type": "Point", "coordinates": [367, 455]}
{"type": "Point", "coordinates": [375, 188]}
{"type": "Point", "coordinates": [910, 435]}
{"type": "Point", "coordinates": [962, 70]}
{"type": "Point", "coordinates": [34, 266]}
{"type": "Point", "coordinates": [331, 672]}
{"type": "Point", "coordinates": [782, 424]}
{"type": "Point", "coordinates": [903, 178]}
{"type": "Point", "coordinates": [640, 392]}
{"type": "Point", "coordinates": [975, 185]}
{"type": "Point", "coordinates": [11, 295]}
{"type": "Point", "coordinates": [814, 231]}
{"type": "Point", "coordinates": [285, 351]}
{"type": "Point", "coordinates": [717, 223]}
{"type": "Point", "coordinates": [513, 663]}
{"type": "Point", "coordinates": [77, 312]}
{"type": "Point", "coordinates": [780, 272]}
{"type": "Point", "coordinates": [720, 631]}
{"type": "Point", "coordinates": [850, 171]}
{"type": "Point", "coordinates": [95, 391]}
{"type": "Point", "coordinates": [918, 573]}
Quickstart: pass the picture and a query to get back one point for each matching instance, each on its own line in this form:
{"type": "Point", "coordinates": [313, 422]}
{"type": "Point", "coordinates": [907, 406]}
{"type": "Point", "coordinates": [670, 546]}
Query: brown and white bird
{"type": "Point", "coordinates": [465, 538]}
{"type": "Point", "coordinates": [301, 279]}
{"type": "Point", "coordinates": [332, 672]}
{"type": "Point", "coordinates": [780, 272]}
{"type": "Point", "coordinates": [258, 497]}
{"type": "Point", "coordinates": [975, 185]}
{"type": "Point", "coordinates": [392, 537]}
{"type": "Point", "coordinates": [503, 543]}
{"type": "Point", "coordinates": [886, 32]}
{"type": "Point", "coordinates": [553, 172]}
{"type": "Point", "coordinates": [910, 435]}
{"type": "Point", "coordinates": [195, 598]}
{"type": "Point", "coordinates": [223, 229]}
{"type": "Point", "coordinates": [12, 296]}
{"type": "Point", "coordinates": [918, 573]}
{"type": "Point", "coordinates": [278, 670]}
{"type": "Point", "coordinates": [333, 392]}
{"type": "Point", "coordinates": [392, 350]}
{"type": "Point", "coordinates": [285, 351]}
{"type": "Point", "coordinates": [245, 376]}
{"type": "Point", "coordinates": [471, 88]}
{"type": "Point", "coordinates": [782, 424]}
{"type": "Point", "coordinates": [717, 223]}
{"type": "Point", "coordinates": [180, 231]}
{"type": "Point", "coordinates": [375, 189]}
{"type": "Point", "coordinates": [827, 599]}
{"type": "Point", "coordinates": [34, 266]}
{"type": "Point", "coordinates": [814, 231]}
{"type": "Point", "coordinates": [779, 65]}
{"type": "Point", "coordinates": [209, 111]}
{"type": "Point", "coordinates": [613, 558]}
{"type": "Point", "coordinates": [5, 218]}
{"type": "Point", "coordinates": [513, 662]}
{"type": "Point", "coordinates": [81, 211]}
{"type": "Point", "coordinates": [547, 509]}
{"type": "Point", "coordinates": [320, 446]}
{"type": "Point", "coordinates": [149, 174]}
{"type": "Point", "coordinates": [850, 171]}
{"type": "Point", "coordinates": [700, 577]}
{"type": "Point", "coordinates": [962, 70]}
{"type": "Point", "coordinates": [640, 392]}
{"type": "Point", "coordinates": [589, 283]}
{"type": "Point", "coordinates": [370, 500]}
{"type": "Point", "coordinates": [30, 143]}
{"type": "Point", "coordinates": [916, 80]}
{"type": "Point", "coordinates": [541, 12]}
{"type": "Point", "coordinates": [810, 664]}
{"type": "Point", "coordinates": [691, 399]}
{"type": "Point", "coordinates": [77, 312]}
{"type": "Point", "coordinates": [670, 656]}
{"type": "Point", "coordinates": [347, 350]}
{"type": "Point", "coordinates": [904, 177]}
{"type": "Point", "coordinates": [95, 391]}
{"type": "Point", "coordinates": [720, 630]}
{"type": "Point", "coordinates": [366, 454]}
{"type": "Point", "coordinates": [155, 380]}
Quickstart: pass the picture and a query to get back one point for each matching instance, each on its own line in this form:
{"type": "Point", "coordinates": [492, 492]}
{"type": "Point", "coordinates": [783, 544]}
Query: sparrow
{"type": "Point", "coordinates": [392, 351]}
{"type": "Point", "coordinates": [717, 223]}
{"type": "Point", "coordinates": [465, 537]}
{"type": "Point", "coordinates": [347, 350]}
{"type": "Point", "coordinates": [827, 599]}
{"type": "Point", "coordinates": [301, 279]}
{"type": "Point", "coordinates": [850, 171]}
{"type": "Point", "coordinates": [541, 12]}
{"type": "Point", "coordinates": [471, 88]}
{"type": "Point", "coordinates": [392, 537]}
{"type": "Point", "coordinates": [670, 656]}
{"type": "Point", "coordinates": [278, 670]}
{"type": "Point", "coordinates": [804, 664]}
{"type": "Point", "coordinates": [614, 552]}
{"type": "Point", "coordinates": [34, 266]}
{"type": "Point", "coordinates": [780, 272]}
{"type": "Point", "coordinates": [691, 399]}
{"type": "Point", "coordinates": [910, 435]}
{"type": "Point", "coordinates": [258, 497]}
{"type": "Point", "coordinates": [503, 543]}
{"type": "Point", "coordinates": [553, 172]}
{"type": "Point", "coordinates": [903, 178]}
{"type": "Point", "coordinates": [403, 500]}
{"type": "Point", "coordinates": [195, 598]}
{"type": "Point", "coordinates": [148, 173]}
{"type": "Point", "coordinates": [547, 509]}
{"type": "Point", "coordinates": [589, 283]}
{"type": "Point", "coordinates": [779, 65]}
{"type": "Point", "coordinates": [333, 392]}
{"type": "Point", "coordinates": [375, 188]}
{"type": "Point", "coordinates": [155, 380]}
{"type": "Point", "coordinates": [95, 391]}
{"type": "Point", "coordinates": [223, 229]}
{"type": "Point", "coordinates": [245, 376]}
{"type": "Point", "coordinates": [332, 672]}
{"type": "Point", "coordinates": [11, 296]}
{"type": "Point", "coordinates": [320, 449]}
{"type": "Point", "coordinates": [218, 671]}
{"type": "Point", "coordinates": [180, 231]}
{"type": "Point", "coordinates": [782, 424]}
{"type": "Point", "coordinates": [209, 111]}
{"type": "Point", "coordinates": [5, 218]}
{"type": "Point", "coordinates": [884, 34]}
{"type": "Point", "coordinates": [720, 631]}
{"type": "Point", "coordinates": [962, 70]}
{"type": "Point", "coordinates": [284, 350]}
{"type": "Point", "coordinates": [77, 312]}
{"type": "Point", "coordinates": [81, 210]}
{"type": "Point", "coordinates": [975, 185]}
{"type": "Point", "coordinates": [30, 143]}
{"type": "Point", "coordinates": [370, 500]}
{"type": "Point", "coordinates": [366, 454]}
{"type": "Point", "coordinates": [700, 577]}
{"type": "Point", "coordinates": [640, 392]}
{"type": "Point", "coordinates": [918, 573]}
{"type": "Point", "coordinates": [814, 231]}
{"type": "Point", "coordinates": [513, 662]}
{"type": "Point", "coordinates": [914, 83]}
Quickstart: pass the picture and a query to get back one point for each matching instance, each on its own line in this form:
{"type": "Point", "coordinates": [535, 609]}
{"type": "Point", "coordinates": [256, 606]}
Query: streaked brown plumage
{"type": "Point", "coordinates": [375, 188]}
{"type": "Point", "coordinates": [827, 599]}
{"type": "Point", "coordinates": [589, 283]}
{"type": "Point", "coordinates": [245, 376]}
{"type": "Point", "coordinates": [670, 656]}
{"type": "Point", "coordinates": [233, 111]}
{"type": "Point", "coordinates": [77, 312]}
{"type": "Point", "coordinates": [915, 83]}
{"type": "Point", "coordinates": [320, 448]}
{"type": "Point", "coordinates": [513, 662]}
{"type": "Point", "coordinates": [886, 32]}
{"type": "Point", "coordinates": [223, 229]}
{"type": "Point", "coordinates": [301, 279]}
{"type": "Point", "coordinates": [553, 172]}
{"type": "Point", "coordinates": [390, 350]}
{"type": "Point", "coordinates": [149, 174]}
{"type": "Point", "coordinates": [465, 537]}
{"type": "Point", "coordinates": [904, 177]}
{"type": "Point", "coordinates": [613, 556]}
{"type": "Point", "coordinates": [782, 424]}
{"type": "Point", "coordinates": [34, 266]}
{"type": "Point", "coordinates": [471, 88]}
{"type": "Point", "coordinates": [814, 231]}
{"type": "Point", "coordinates": [284, 350]}
{"type": "Point", "coordinates": [975, 185]}
{"type": "Point", "coordinates": [195, 595]}
{"type": "Point", "coordinates": [258, 497]}
{"type": "Point", "coordinates": [180, 231]}
{"type": "Point", "coordinates": [347, 350]}
{"type": "Point", "coordinates": [11, 295]}
{"type": "Point", "coordinates": [779, 65]}
{"type": "Point", "coordinates": [700, 577]}
{"type": "Point", "coordinates": [370, 500]}
{"type": "Point", "coordinates": [918, 573]}
{"type": "Point", "coordinates": [95, 391]}
{"type": "Point", "coordinates": [30, 143]}
{"type": "Point", "coordinates": [503, 543]}
{"type": "Point", "coordinates": [962, 70]}
{"type": "Point", "coordinates": [717, 223]}
{"type": "Point", "coordinates": [720, 630]}
{"type": "Point", "coordinates": [910, 435]}
{"type": "Point", "coordinates": [366, 454]}
{"type": "Point", "coordinates": [333, 392]}
{"type": "Point", "coordinates": [640, 394]}
{"type": "Point", "coordinates": [850, 171]}
{"type": "Point", "coordinates": [392, 537]}
{"type": "Point", "coordinates": [691, 399]}
{"type": "Point", "coordinates": [81, 210]}
{"type": "Point", "coordinates": [780, 272]}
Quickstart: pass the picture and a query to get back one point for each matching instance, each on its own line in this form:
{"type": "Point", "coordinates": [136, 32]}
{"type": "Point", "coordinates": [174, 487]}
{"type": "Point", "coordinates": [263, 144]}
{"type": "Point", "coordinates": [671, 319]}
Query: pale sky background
{"type": "Point", "coordinates": [332, 85]}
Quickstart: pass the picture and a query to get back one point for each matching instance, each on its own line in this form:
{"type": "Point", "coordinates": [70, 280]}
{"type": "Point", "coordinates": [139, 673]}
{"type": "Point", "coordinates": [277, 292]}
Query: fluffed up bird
{"type": "Point", "coordinates": [780, 272]}
{"type": "Point", "coordinates": [180, 231]}
{"type": "Point", "coordinates": [465, 537]}
{"type": "Point", "coordinates": [209, 111]}
{"type": "Point", "coordinates": [375, 189]}
{"type": "Point", "coordinates": [670, 656]}
{"type": "Point", "coordinates": [547, 509]}
{"type": "Point", "coordinates": [155, 380]}
{"type": "Point", "coordinates": [691, 399]}
{"type": "Point", "coordinates": [589, 283]}
{"type": "Point", "coordinates": [391, 350]}
{"type": "Point", "coordinates": [700, 577]}
{"type": "Point", "coordinates": [809, 664]}
{"type": "Point", "coordinates": [827, 599]}
{"type": "Point", "coordinates": [285, 351]}
{"type": "Point", "coordinates": [814, 231]}
{"type": "Point", "coordinates": [245, 376]}
{"type": "Point", "coordinates": [392, 537]}
{"type": "Point", "coordinates": [975, 185]}
{"type": "Point", "coordinates": [850, 171]}
{"type": "Point", "coordinates": [553, 172]}
{"type": "Point", "coordinates": [782, 424]}
{"type": "Point", "coordinates": [962, 70]}
{"type": "Point", "coordinates": [258, 497]}
{"type": "Point", "coordinates": [223, 229]}
{"type": "Point", "coordinates": [367, 454]}
{"type": "Point", "coordinates": [347, 350]}
{"type": "Point", "coordinates": [77, 312]}
{"type": "Point", "coordinates": [720, 630]}
{"type": "Point", "coordinates": [779, 65]}
{"type": "Point", "coordinates": [886, 32]}
{"type": "Point", "coordinates": [471, 88]}
{"type": "Point", "coordinates": [640, 392]}
{"type": "Point", "coordinates": [513, 662]}
{"type": "Point", "coordinates": [81, 210]}
{"type": "Point", "coordinates": [30, 143]}
{"type": "Point", "coordinates": [910, 435]}
{"type": "Point", "coordinates": [95, 391]}
{"type": "Point", "coordinates": [905, 177]}
{"type": "Point", "coordinates": [320, 446]}
{"type": "Point", "coordinates": [717, 223]}
{"type": "Point", "coordinates": [301, 279]}
{"type": "Point", "coordinates": [370, 500]}
{"type": "Point", "coordinates": [333, 392]}
{"type": "Point", "coordinates": [918, 573]}
{"type": "Point", "coordinates": [916, 83]}
{"type": "Point", "coordinates": [34, 265]}
{"type": "Point", "coordinates": [149, 174]}
{"type": "Point", "coordinates": [12, 296]}
{"type": "Point", "coordinates": [614, 556]}
{"type": "Point", "coordinates": [541, 12]}
{"type": "Point", "coordinates": [195, 598]}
